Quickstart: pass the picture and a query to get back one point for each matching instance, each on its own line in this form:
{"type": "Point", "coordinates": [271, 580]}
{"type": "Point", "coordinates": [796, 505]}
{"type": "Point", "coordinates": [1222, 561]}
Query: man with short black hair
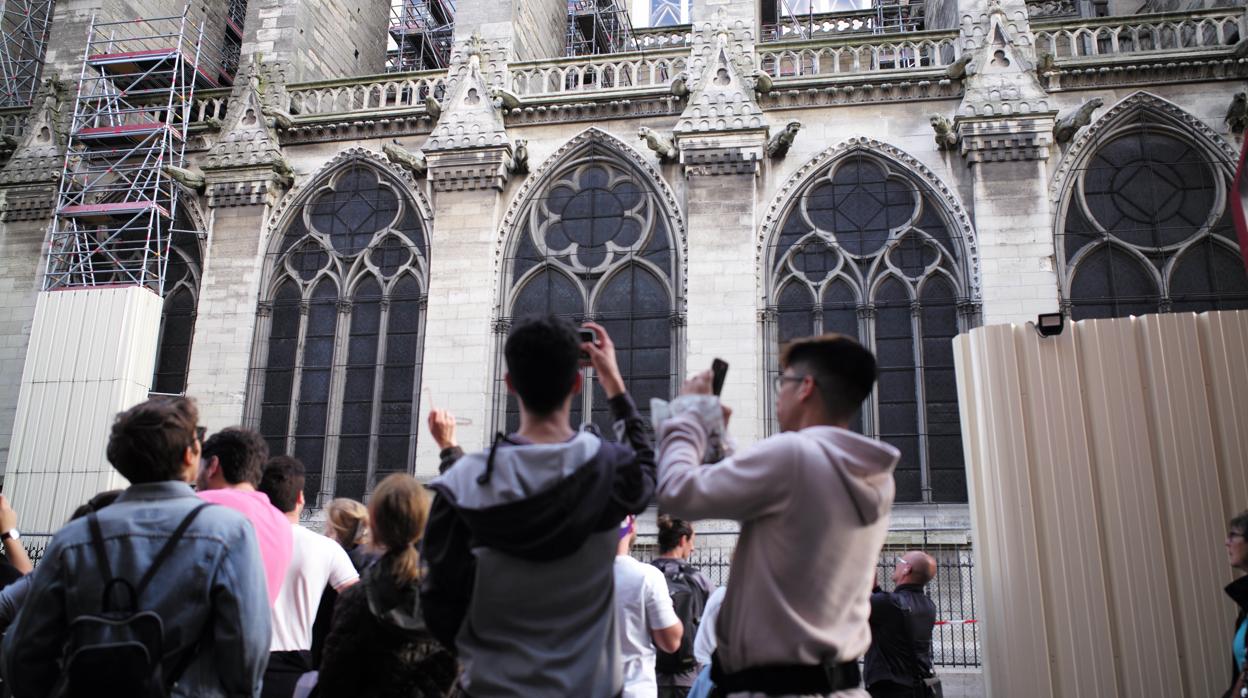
{"type": "Point", "coordinates": [794, 620]}
{"type": "Point", "coordinates": [900, 657]}
{"type": "Point", "coordinates": [209, 592]}
{"type": "Point", "coordinates": [522, 537]}
{"type": "Point", "coordinates": [316, 561]}
{"type": "Point", "coordinates": [230, 468]}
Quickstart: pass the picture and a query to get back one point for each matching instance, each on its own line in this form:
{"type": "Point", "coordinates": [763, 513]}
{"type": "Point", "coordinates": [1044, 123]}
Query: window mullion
{"type": "Point", "coordinates": [920, 394]}
{"type": "Point", "coordinates": [296, 377]}
{"type": "Point", "coordinates": [379, 369]}
{"type": "Point", "coordinates": [333, 411]}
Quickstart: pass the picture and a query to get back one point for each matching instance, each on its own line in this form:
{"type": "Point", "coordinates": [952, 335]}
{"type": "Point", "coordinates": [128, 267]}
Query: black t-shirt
{"type": "Point", "coordinates": [8, 573]}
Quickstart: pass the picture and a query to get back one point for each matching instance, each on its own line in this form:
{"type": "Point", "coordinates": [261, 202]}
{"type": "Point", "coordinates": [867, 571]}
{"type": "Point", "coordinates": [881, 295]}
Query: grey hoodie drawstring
{"type": "Point", "coordinates": [484, 478]}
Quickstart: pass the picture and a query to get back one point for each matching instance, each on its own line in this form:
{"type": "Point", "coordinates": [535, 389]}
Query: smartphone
{"type": "Point", "coordinates": [587, 334]}
{"type": "Point", "coordinates": [719, 369]}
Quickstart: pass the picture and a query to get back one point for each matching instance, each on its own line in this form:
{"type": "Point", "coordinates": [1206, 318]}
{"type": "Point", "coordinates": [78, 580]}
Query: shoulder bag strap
{"type": "Point", "coordinates": [97, 542]}
{"type": "Point", "coordinates": [167, 549]}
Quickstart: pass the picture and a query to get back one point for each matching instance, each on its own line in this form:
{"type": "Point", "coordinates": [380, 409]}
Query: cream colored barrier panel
{"type": "Point", "coordinates": [1102, 467]}
{"type": "Point", "coordinates": [91, 355]}
{"type": "Point", "coordinates": [1004, 556]}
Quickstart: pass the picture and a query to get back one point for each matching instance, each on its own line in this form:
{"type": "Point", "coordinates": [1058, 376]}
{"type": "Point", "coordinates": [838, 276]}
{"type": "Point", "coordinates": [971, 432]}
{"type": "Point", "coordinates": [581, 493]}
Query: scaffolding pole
{"type": "Point", "coordinates": [116, 203]}
{"type": "Point", "coordinates": [23, 37]}
{"type": "Point", "coordinates": [598, 26]}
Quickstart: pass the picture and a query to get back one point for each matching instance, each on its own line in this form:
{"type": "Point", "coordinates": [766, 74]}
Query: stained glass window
{"type": "Point", "coordinates": [594, 243]}
{"type": "Point", "coordinates": [866, 250]}
{"type": "Point", "coordinates": [177, 322]}
{"type": "Point", "coordinates": [1147, 229]}
{"type": "Point", "coordinates": [339, 369]}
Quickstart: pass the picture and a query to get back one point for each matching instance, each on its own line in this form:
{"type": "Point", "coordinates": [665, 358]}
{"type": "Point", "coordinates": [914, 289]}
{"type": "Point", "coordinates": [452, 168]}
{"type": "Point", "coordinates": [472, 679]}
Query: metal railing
{"type": "Point", "coordinates": [955, 642]}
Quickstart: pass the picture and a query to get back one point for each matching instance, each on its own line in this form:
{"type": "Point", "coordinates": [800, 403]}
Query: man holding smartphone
{"type": "Point", "coordinates": [813, 503]}
{"type": "Point", "coordinates": [522, 536]}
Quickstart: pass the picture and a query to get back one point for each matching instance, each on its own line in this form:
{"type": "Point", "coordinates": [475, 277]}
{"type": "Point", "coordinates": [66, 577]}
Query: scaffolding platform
{"type": "Point", "coordinates": [149, 70]}
{"type": "Point", "coordinates": [421, 34]}
{"type": "Point", "coordinates": [116, 204]}
{"type": "Point", "coordinates": [103, 214]}
{"type": "Point", "coordinates": [597, 27]}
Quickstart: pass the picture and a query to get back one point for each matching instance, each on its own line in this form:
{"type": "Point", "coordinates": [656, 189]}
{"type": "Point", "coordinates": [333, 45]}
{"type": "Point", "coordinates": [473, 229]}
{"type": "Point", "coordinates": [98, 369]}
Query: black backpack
{"type": "Point", "coordinates": [120, 651]}
{"type": "Point", "coordinates": [688, 600]}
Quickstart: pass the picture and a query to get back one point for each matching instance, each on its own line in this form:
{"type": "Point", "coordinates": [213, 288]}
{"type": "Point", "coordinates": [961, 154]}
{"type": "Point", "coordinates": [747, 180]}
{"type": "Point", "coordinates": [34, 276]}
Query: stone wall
{"type": "Point", "coordinates": [319, 39]}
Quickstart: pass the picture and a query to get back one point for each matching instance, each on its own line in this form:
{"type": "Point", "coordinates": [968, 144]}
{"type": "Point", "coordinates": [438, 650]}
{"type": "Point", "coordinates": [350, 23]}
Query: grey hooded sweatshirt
{"type": "Point", "coordinates": [520, 549]}
{"type": "Point", "coordinates": [813, 506]}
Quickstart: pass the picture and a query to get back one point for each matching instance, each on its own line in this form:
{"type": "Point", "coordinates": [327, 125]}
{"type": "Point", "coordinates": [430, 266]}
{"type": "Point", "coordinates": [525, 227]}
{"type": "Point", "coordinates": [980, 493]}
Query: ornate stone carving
{"type": "Point", "coordinates": [780, 143]}
{"type": "Point", "coordinates": [659, 143]}
{"type": "Point", "coordinates": [245, 166]}
{"type": "Point", "coordinates": [1161, 111]}
{"type": "Point", "coordinates": [946, 138]}
{"type": "Point", "coordinates": [412, 161]}
{"type": "Point", "coordinates": [1004, 80]}
{"type": "Point", "coordinates": [1068, 125]}
{"type": "Point", "coordinates": [1237, 113]}
{"type": "Point", "coordinates": [774, 216]}
{"type": "Point", "coordinates": [469, 117]}
{"type": "Point", "coordinates": [40, 153]}
{"type": "Point", "coordinates": [1001, 139]}
{"type": "Point", "coordinates": [668, 204]}
{"type": "Point", "coordinates": [724, 80]}
{"type": "Point", "coordinates": [282, 211]}
{"type": "Point", "coordinates": [188, 178]}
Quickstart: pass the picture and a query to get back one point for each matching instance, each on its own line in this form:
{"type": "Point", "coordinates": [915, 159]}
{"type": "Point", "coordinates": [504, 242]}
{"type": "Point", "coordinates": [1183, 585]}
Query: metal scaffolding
{"type": "Point", "coordinates": [598, 26]}
{"type": "Point", "coordinates": [23, 37]}
{"type": "Point", "coordinates": [117, 201]}
{"type": "Point", "coordinates": [421, 34]}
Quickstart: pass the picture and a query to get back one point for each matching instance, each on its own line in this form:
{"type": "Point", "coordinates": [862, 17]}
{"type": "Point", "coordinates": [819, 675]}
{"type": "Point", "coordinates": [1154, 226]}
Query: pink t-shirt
{"type": "Point", "coordinates": [272, 530]}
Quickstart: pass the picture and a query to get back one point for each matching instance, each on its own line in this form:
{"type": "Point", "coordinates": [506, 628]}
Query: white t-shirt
{"type": "Point", "coordinates": [704, 642]}
{"type": "Point", "coordinates": [316, 561]}
{"type": "Point", "coordinates": [642, 604]}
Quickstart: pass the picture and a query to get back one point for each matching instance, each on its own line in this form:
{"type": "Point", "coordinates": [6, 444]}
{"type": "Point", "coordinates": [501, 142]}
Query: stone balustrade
{"type": "Point", "coordinates": [390, 91]}
{"type": "Point", "coordinates": [209, 104]}
{"type": "Point", "coordinates": [661, 37]}
{"type": "Point", "coordinates": [12, 120]}
{"type": "Point", "coordinates": [855, 55]}
{"type": "Point", "coordinates": [1198, 31]}
{"type": "Point", "coordinates": [606, 74]}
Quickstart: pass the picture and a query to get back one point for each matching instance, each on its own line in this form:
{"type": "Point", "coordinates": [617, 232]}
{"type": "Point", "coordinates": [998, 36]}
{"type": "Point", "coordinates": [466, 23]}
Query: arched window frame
{"type": "Point", "coordinates": [188, 247]}
{"type": "Point", "coordinates": [591, 144]}
{"type": "Point", "coordinates": [346, 272]}
{"type": "Point", "coordinates": [1138, 113]}
{"type": "Point", "coordinates": [962, 274]}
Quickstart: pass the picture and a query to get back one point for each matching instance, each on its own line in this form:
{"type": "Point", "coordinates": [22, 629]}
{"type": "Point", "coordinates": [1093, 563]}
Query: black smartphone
{"type": "Point", "coordinates": [589, 335]}
{"type": "Point", "coordinates": [719, 369]}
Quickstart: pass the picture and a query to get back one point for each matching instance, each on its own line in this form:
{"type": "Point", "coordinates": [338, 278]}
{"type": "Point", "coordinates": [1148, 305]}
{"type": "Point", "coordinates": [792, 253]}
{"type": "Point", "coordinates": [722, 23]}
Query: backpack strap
{"type": "Point", "coordinates": [167, 549]}
{"type": "Point", "coordinates": [97, 542]}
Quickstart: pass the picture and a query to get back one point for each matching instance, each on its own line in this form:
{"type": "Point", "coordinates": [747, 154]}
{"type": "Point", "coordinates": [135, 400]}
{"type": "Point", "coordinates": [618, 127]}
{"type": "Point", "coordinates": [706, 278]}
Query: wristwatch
{"type": "Point", "coordinates": [11, 534]}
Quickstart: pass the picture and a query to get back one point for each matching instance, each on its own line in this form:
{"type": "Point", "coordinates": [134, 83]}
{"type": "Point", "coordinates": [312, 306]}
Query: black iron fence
{"type": "Point", "coordinates": [955, 641]}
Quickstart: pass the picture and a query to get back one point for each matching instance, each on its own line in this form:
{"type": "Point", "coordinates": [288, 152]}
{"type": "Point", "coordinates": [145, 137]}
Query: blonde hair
{"type": "Point", "coordinates": [399, 509]}
{"type": "Point", "coordinates": [348, 522]}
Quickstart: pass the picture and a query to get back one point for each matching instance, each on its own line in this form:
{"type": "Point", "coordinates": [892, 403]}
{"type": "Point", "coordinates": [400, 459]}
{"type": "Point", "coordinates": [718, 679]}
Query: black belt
{"type": "Point", "coordinates": [786, 679]}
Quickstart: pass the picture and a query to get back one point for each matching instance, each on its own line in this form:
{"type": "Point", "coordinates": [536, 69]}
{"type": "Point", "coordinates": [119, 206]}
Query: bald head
{"type": "Point", "coordinates": [915, 567]}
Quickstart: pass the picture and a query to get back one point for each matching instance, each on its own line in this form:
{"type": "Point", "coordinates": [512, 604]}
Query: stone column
{"type": "Point", "coordinates": [244, 174]}
{"type": "Point", "coordinates": [721, 138]}
{"type": "Point", "coordinates": [1005, 129]}
{"type": "Point", "coordinates": [469, 159]}
{"type": "Point", "coordinates": [318, 39]}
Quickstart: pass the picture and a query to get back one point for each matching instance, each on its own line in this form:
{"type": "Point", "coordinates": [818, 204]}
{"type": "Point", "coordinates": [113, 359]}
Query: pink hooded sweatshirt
{"type": "Point", "coordinates": [813, 506]}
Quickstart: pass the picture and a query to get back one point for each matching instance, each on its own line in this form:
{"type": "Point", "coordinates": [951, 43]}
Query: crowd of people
{"type": "Point", "coordinates": [510, 573]}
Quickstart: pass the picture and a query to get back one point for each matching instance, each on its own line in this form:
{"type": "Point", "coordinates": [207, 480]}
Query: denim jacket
{"type": "Point", "coordinates": [210, 591]}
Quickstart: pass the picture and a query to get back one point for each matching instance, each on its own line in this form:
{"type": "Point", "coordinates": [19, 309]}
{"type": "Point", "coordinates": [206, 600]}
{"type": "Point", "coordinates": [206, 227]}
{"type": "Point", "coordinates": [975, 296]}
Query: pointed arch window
{"type": "Point", "coordinates": [595, 242]}
{"type": "Point", "coordinates": [867, 251]}
{"type": "Point", "coordinates": [177, 321]}
{"type": "Point", "coordinates": [338, 365]}
{"type": "Point", "coordinates": [1146, 227]}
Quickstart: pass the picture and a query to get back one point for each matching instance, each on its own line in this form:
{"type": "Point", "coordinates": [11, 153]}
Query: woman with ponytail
{"type": "Point", "coordinates": [379, 645]}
